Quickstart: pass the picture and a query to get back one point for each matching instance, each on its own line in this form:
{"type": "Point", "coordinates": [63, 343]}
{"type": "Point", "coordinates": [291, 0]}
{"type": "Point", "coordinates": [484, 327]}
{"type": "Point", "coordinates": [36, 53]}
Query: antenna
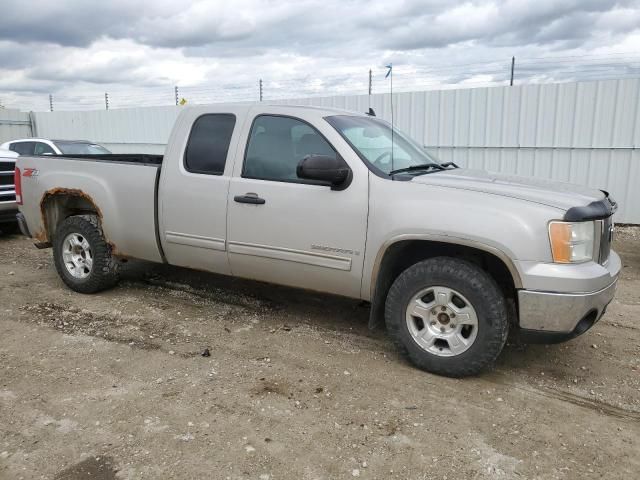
{"type": "Point", "coordinates": [390, 66]}
{"type": "Point", "coordinates": [370, 81]}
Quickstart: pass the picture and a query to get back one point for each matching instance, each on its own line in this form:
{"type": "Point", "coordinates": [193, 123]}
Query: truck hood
{"type": "Point", "coordinates": [546, 192]}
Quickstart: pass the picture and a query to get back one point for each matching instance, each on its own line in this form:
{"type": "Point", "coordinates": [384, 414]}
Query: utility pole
{"type": "Point", "coordinates": [260, 85]}
{"type": "Point", "coordinates": [513, 64]}
{"type": "Point", "coordinates": [50, 103]}
{"type": "Point", "coordinates": [175, 91]}
{"type": "Point", "coordinates": [106, 100]}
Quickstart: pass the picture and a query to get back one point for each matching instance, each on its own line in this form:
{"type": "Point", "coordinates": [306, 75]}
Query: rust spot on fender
{"type": "Point", "coordinates": [70, 192]}
{"type": "Point", "coordinates": [40, 236]}
{"type": "Point", "coordinates": [115, 252]}
{"type": "Point", "coordinates": [43, 236]}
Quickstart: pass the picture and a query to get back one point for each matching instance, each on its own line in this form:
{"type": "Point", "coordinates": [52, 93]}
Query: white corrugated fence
{"type": "Point", "coordinates": [14, 124]}
{"type": "Point", "coordinates": [579, 132]}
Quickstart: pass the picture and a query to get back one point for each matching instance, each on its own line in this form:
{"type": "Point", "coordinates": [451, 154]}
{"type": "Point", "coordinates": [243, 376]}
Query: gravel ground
{"type": "Point", "coordinates": [115, 386]}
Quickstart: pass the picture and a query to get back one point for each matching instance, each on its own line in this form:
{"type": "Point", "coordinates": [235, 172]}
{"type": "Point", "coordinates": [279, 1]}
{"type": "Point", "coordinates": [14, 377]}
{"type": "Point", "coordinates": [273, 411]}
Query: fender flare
{"type": "Point", "coordinates": [377, 302]}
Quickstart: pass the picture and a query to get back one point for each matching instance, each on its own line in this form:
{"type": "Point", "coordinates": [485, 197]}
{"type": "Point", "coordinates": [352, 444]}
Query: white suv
{"type": "Point", "coordinates": [42, 146]}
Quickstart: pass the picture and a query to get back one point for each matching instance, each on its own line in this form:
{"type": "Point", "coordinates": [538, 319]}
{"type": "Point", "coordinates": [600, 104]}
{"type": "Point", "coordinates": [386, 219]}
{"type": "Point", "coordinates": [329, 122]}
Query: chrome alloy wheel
{"type": "Point", "coordinates": [77, 256]}
{"type": "Point", "coordinates": [442, 321]}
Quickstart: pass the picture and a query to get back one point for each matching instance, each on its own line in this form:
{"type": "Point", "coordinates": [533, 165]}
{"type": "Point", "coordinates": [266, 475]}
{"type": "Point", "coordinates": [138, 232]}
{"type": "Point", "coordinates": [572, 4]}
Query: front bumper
{"type": "Point", "coordinates": [551, 316]}
{"type": "Point", "coordinates": [8, 212]}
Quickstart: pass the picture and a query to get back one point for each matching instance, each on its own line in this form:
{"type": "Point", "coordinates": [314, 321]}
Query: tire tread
{"type": "Point", "coordinates": [104, 273]}
{"type": "Point", "coordinates": [494, 310]}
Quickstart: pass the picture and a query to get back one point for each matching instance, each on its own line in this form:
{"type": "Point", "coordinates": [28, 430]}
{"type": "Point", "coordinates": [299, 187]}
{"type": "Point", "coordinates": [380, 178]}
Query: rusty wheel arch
{"type": "Point", "coordinates": [59, 203]}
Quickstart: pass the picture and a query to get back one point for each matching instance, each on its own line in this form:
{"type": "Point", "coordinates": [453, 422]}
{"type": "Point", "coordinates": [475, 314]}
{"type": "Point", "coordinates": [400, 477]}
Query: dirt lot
{"type": "Point", "coordinates": [114, 386]}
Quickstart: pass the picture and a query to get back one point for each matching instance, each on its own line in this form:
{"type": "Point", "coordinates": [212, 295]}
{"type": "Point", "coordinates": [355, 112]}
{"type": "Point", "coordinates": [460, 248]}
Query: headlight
{"type": "Point", "coordinates": [572, 242]}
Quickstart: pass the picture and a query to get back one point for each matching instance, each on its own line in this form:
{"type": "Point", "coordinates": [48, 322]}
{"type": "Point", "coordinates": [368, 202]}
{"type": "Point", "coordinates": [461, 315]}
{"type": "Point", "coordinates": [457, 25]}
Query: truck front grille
{"type": "Point", "coordinates": [7, 190]}
{"type": "Point", "coordinates": [606, 237]}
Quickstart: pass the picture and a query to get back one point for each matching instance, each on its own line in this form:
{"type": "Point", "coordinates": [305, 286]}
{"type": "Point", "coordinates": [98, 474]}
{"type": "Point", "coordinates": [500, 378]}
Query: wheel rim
{"type": "Point", "coordinates": [442, 321]}
{"type": "Point", "coordinates": [77, 256]}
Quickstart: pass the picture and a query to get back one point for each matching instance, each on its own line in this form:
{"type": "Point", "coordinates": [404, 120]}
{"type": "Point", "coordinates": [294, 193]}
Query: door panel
{"type": "Point", "coordinates": [303, 235]}
{"type": "Point", "coordinates": [194, 191]}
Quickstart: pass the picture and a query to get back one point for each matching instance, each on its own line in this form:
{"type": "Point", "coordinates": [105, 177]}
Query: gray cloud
{"type": "Point", "coordinates": [80, 46]}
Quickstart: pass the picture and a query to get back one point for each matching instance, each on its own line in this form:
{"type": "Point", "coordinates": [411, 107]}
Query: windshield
{"type": "Point", "coordinates": [370, 137]}
{"type": "Point", "coordinates": [80, 148]}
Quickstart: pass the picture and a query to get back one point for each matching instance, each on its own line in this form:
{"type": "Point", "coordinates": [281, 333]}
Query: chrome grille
{"type": "Point", "coordinates": [7, 189]}
{"type": "Point", "coordinates": [606, 237]}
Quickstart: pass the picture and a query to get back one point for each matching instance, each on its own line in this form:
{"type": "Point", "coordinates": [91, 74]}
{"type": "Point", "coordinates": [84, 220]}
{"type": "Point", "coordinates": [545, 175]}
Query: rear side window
{"type": "Point", "coordinates": [42, 148]}
{"type": "Point", "coordinates": [208, 143]}
{"type": "Point", "coordinates": [23, 148]}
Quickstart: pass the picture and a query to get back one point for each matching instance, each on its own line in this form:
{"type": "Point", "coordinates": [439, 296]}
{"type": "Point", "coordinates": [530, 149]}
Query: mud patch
{"type": "Point", "coordinates": [269, 387]}
{"type": "Point", "coordinates": [112, 326]}
{"type": "Point", "coordinates": [95, 468]}
{"type": "Point", "coordinates": [209, 295]}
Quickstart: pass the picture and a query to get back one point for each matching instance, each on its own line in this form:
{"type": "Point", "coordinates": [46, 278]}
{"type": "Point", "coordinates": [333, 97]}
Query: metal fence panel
{"type": "Point", "coordinates": [14, 124]}
{"type": "Point", "coordinates": [580, 132]}
{"type": "Point", "coordinates": [139, 130]}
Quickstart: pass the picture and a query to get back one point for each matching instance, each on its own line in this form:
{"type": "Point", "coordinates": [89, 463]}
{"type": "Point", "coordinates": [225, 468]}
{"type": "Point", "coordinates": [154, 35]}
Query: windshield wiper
{"type": "Point", "coordinates": [414, 168]}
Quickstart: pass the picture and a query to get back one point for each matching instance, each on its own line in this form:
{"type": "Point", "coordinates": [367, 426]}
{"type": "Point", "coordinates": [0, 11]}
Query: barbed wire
{"type": "Point", "coordinates": [407, 77]}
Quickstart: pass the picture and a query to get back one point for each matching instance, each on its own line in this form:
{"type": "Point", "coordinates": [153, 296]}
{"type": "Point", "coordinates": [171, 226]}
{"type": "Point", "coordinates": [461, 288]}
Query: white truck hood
{"type": "Point", "coordinates": [546, 192]}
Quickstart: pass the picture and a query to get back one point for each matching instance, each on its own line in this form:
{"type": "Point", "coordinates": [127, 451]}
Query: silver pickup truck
{"type": "Point", "coordinates": [450, 259]}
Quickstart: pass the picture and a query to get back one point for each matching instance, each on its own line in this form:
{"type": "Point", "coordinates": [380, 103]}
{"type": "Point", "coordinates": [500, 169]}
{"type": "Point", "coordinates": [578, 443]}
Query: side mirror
{"type": "Point", "coordinates": [332, 171]}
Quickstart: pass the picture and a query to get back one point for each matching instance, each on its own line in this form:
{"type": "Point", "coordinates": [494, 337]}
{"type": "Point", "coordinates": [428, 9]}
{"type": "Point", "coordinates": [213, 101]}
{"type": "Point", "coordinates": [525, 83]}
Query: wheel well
{"type": "Point", "coordinates": [401, 255]}
{"type": "Point", "coordinates": [61, 204]}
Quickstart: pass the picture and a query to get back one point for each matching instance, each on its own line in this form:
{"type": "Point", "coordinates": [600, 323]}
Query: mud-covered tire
{"type": "Point", "coordinates": [474, 284]}
{"type": "Point", "coordinates": [103, 273]}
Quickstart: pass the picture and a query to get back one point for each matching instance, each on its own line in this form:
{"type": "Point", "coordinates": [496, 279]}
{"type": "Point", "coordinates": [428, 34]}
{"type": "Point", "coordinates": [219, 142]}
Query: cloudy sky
{"type": "Point", "coordinates": [217, 50]}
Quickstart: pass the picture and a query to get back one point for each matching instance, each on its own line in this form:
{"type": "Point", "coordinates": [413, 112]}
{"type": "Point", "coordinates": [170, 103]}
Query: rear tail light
{"type": "Point", "coordinates": [17, 181]}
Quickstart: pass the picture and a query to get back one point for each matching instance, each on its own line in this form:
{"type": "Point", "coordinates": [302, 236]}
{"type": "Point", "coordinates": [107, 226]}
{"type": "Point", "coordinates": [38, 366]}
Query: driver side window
{"type": "Point", "coordinates": [276, 146]}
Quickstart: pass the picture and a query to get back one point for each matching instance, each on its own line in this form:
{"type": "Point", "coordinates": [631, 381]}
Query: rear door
{"type": "Point", "coordinates": [194, 188]}
{"type": "Point", "coordinates": [287, 230]}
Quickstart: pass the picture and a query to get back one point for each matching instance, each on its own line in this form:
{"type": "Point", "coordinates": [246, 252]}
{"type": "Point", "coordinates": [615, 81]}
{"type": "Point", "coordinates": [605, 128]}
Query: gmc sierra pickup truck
{"type": "Point", "coordinates": [450, 259]}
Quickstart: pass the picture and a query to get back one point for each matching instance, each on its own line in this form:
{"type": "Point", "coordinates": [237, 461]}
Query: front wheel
{"type": "Point", "coordinates": [448, 316]}
{"type": "Point", "coordinates": [82, 256]}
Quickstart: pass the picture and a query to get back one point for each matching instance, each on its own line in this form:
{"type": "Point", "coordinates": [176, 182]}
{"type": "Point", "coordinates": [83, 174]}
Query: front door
{"type": "Point", "coordinates": [286, 230]}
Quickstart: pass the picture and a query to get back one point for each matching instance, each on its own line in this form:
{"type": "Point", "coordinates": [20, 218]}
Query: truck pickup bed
{"type": "Point", "coordinates": [125, 184]}
{"type": "Point", "coordinates": [450, 259]}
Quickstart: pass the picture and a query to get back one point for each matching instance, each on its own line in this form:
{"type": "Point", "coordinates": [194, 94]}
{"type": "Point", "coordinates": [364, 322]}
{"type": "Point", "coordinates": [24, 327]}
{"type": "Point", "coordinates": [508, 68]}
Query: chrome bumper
{"type": "Point", "coordinates": [563, 313]}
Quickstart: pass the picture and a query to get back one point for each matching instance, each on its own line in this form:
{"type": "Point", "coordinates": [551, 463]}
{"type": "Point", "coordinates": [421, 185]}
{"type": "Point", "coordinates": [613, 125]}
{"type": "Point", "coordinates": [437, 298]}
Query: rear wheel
{"type": "Point", "coordinates": [448, 316]}
{"type": "Point", "coordinates": [82, 256]}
